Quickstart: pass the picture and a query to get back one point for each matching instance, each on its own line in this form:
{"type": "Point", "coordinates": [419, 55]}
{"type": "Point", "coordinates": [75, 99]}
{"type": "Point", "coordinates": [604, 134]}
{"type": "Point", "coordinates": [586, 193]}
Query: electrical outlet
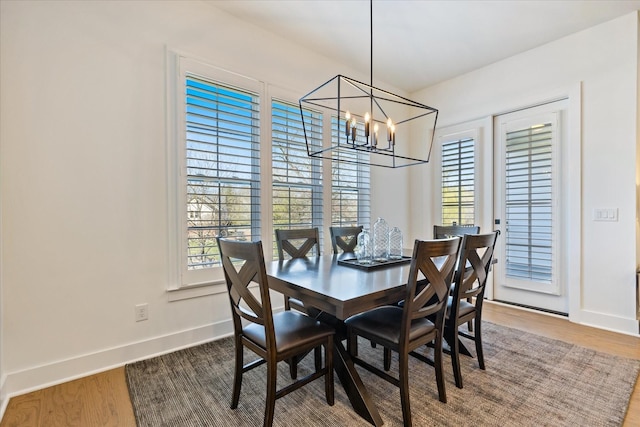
{"type": "Point", "coordinates": [142, 312]}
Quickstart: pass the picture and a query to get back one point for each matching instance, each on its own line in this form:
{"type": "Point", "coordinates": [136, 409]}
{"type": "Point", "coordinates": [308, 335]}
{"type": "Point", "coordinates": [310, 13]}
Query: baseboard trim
{"type": "Point", "coordinates": [4, 399]}
{"type": "Point", "coordinates": [39, 377]}
{"type": "Point", "coordinates": [622, 325]}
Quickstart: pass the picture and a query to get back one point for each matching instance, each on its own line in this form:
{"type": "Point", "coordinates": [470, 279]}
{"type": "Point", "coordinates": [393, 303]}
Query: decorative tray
{"type": "Point", "coordinates": [353, 262]}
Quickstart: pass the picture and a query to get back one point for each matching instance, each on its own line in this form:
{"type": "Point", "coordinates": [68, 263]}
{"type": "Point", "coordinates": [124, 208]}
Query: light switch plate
{"type": "Point", "coordinates": [605, 214]}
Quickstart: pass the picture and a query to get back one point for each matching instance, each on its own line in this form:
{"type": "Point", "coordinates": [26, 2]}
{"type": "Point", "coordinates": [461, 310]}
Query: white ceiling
{"type": "Point", "coordinates": [419, 43]}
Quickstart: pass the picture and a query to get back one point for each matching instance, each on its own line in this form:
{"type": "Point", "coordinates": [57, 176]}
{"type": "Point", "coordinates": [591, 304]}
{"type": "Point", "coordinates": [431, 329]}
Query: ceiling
{"type": "Point", "coordinates": [419, 43]}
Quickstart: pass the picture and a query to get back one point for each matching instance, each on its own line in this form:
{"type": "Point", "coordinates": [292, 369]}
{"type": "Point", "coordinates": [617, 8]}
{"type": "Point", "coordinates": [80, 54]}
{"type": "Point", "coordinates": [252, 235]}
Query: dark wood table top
{"type": "Point", "coordinates": [339, 290]}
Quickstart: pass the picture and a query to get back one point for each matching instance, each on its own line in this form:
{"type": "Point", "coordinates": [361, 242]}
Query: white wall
{"type": "Point", "coordinates": [604, 60]}
{"type": "Point", "coordinates": [84, 183]}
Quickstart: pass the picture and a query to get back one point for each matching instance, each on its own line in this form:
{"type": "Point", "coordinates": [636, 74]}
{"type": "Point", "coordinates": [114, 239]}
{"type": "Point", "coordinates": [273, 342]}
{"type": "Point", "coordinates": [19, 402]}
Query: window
{"type": "Point", "coordinates": [223, 174]}
{"type": "Point", "coordinates": [297, 178]}
{"type": "Point", "coordinates": [233, 160]}
{"type": "Point", "coordinates": [216, 157]}
{"type": "Point", "coordinates": [350, 185]}
{"type": "Point", "coordinates": [458, 181]}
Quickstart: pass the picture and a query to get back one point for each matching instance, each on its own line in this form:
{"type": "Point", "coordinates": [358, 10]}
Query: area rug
{"type": "Point", "coordinates": [529, 381]}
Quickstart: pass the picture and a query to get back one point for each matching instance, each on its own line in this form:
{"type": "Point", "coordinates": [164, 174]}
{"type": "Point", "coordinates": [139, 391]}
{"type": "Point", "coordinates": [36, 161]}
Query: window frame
{"type": "Point", "coordinates": [179, 66]}
{"type": "Point", "coordinates": [458, 133]}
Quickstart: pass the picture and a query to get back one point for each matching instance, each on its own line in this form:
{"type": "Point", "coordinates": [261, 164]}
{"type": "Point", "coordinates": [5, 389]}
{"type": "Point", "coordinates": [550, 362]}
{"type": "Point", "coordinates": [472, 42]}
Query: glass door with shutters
{"type": "Point", "coordinates": [527, 187]}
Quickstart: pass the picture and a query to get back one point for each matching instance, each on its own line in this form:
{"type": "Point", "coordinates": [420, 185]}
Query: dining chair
{"type": "Point", "coordinates": [298, 243]}
{"type": "Point", "coordinates": [274, 337]}
{"type": "Point", "coordinates": [465, 304]}
{"type": "Point", "coordinates": [404, 329]}
{"type": "Point", "coordinates": [446, 231]}
{"type": "Point", "coordinates": [344, 238]}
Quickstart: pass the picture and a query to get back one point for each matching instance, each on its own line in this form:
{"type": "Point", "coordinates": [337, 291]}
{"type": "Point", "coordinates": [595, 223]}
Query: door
{"type": "Point", "coordinates": [527, 206]}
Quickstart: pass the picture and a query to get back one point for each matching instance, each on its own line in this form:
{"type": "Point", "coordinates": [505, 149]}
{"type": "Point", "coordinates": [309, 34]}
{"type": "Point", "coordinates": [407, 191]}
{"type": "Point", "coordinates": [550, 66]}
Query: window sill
{"type": "Point", "coordinates": [197, 291]}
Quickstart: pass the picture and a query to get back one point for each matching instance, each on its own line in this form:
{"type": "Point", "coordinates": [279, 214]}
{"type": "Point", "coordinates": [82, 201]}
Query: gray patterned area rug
{"type": "Point", "coordinates": [529, 381]}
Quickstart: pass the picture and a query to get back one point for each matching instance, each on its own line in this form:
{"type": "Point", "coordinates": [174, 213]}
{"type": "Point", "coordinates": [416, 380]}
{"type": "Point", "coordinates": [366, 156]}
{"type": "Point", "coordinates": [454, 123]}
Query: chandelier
{"type": "Point", "coordinates": [370, 125]}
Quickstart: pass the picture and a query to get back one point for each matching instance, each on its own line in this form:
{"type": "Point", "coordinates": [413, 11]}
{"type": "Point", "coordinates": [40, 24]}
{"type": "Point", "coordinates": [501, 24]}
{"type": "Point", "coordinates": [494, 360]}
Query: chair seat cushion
{"type": "Point", "coordinates": [292, 329]}
{"type": "Point", "coordinates": [296, 302]}
{"type": "Point", "coordinates": [385, 322]}
{"type": "Point", "coordinates": [465, 307]}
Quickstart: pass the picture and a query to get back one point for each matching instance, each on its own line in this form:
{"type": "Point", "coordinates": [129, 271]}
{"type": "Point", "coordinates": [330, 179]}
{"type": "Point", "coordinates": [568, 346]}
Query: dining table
{"type": "Point", "coordinates": [334, 288]}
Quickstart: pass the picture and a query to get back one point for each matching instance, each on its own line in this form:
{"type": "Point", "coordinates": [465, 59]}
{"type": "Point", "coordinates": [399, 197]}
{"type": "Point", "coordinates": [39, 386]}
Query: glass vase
{"type": "Point", "coordinates": [363, 248]}
{"type": "Point", "coordinates": [380, 240]}
{"type": "Point", "coordinates": [395, 243]}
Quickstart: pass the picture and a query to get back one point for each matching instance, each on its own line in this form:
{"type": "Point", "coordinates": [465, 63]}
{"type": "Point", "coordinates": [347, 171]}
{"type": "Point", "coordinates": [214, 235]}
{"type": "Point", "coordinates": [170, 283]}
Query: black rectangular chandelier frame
{"type": "Point", "coordinates": [345, 90]}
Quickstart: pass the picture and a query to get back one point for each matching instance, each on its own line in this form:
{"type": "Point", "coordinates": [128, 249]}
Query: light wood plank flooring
{"type": "Point", "coordinates": [103, 399]}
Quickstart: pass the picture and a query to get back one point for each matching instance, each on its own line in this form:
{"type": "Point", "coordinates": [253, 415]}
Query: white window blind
{"type": "Point", "coordinates": [222, 168]}
{"type": "Point", "coordinates": [529, 203]}
{"type": "Point", "coordinates": [297, 178]}
{"type": "Point", "coordinates": [458, 182]}
{"type": "Point", "coordinates": [350, 183]}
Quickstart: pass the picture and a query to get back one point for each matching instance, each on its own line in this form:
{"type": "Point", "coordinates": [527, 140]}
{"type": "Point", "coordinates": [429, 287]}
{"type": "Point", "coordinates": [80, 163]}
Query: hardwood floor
{"type": "Point", "coordinates": [103, 399]}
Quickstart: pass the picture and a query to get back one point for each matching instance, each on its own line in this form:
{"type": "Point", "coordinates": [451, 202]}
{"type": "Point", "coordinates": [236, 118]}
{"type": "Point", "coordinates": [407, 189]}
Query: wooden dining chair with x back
{"type": "Point", "coordinates": [447, 231]}
{"type": "Point", "coordinates": [344, 239]}
{"type": "Point", "coordinates": [273, 337]}
{"type": "Point", "coordinates": [404, 329]}
{"type": "Point", "coordinates": [465, 304]}
{"type": "Point", "coordinates": [298, 243]}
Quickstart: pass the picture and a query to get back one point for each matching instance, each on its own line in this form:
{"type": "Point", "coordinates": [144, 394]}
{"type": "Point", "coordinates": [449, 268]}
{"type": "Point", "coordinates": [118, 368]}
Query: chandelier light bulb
{"type": "Point", "coordinates": [347, 124]}
{"type": "Point", "coordinates": [366, 125]}
{"type": "Point", "coordinates": [374, 141]}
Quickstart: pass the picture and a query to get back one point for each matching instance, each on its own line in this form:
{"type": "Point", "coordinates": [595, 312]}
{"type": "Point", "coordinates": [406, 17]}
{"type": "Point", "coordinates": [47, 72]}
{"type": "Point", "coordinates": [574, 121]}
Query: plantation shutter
{"type": "Point", "coordinates": [529, 203]}
{"type": "Point", "coordinates": [222, 168]}
{"type": "Point", "coordinates": [458, 182]}
{"type": "Point", "coordinates": [297, 178]}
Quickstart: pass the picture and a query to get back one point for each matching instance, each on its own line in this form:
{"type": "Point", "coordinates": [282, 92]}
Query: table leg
{"type": "Point", "coordinates": [353, 386]}
{"type": "Point", "coordinates": [463, 349]}
{"type": "Point", "coordinates": [346, 371]}
{"type": "Point", "coordinates": [449, 336]}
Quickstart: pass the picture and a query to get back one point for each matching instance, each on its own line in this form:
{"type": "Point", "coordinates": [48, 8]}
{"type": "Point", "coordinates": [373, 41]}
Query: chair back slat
{"type": "Point", "coordinates": [436, 261]}
{"type": "Point", "coordinates": [297, 243]}
{"type": "Point", "coordinates": [243, 264]}
{"type": "Point", "coordinates": [344, 238]}
{"type": "Point", "coordinates": [476, 256]}
{"type": "Point", "coordinates": [447, 231]}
